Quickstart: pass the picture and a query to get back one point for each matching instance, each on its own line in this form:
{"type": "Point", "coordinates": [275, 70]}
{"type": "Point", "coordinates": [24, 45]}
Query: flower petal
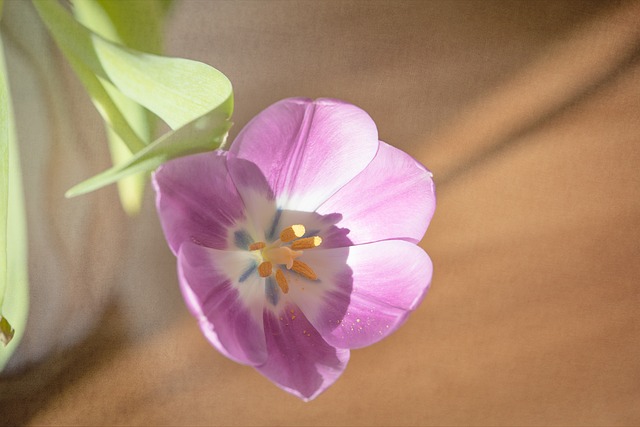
{"type": "Point", "coordinates": [259, 200]}
{"type": "Point", "coordinates": [300, 361]}
{"type": "Point", "coordinates": [371, 295]}
{"type": "Point", "coordinates": [196, 200]}
{"type": "Point", "coordinates": [393, 198]}
{"type": "Point", "coordinates": [229, 311]}
{"type": "Point", "coordinates": [307, 150]}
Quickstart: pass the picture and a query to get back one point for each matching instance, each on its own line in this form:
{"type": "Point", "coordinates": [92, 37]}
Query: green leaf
{"type": "Point", "coordinates": [4, 180]}
{"type": "Point", "coordinates": [14, 290]}
{"type": "Point", "coordinates": [71, 37]}
{"type": "Point", "coordinates": [75, 42]}
{"type": "Point", "coordinates": [138, 25]}
{"type": "Point", "coordinates": [179, 91]}
{"type": "Point", "coordinates": [105, 104]}
{"type": "Point", "coordinates": [195, 137]}
{"type": "Point", "coordinates": [135, 24]}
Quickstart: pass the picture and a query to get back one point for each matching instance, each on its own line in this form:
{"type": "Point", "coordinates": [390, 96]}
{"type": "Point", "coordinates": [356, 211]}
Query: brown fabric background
{"type": "Point", "coordinates": [528, 113]}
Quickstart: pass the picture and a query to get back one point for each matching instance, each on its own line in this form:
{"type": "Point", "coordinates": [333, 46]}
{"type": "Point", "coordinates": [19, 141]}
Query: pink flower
{"type": "Point", "coordinates": [299, 243]}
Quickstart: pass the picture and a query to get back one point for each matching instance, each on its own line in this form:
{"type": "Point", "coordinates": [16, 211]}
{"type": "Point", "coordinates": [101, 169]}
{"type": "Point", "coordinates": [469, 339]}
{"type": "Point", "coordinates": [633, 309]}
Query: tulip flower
{"type": "Point", "coordinates": [299, 243]}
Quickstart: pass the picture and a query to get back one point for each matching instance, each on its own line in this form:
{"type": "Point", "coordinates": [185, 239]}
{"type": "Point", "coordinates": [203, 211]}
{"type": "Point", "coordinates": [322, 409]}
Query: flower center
{"type": "Point", "coordinates": [284, 252]}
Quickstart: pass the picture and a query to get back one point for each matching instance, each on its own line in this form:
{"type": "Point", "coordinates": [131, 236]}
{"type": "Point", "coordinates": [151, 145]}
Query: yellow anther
{"type": "Point", "coordinates": [265, 269]}
{"type": "Point", "coordinates": [307, 243]}
{"type": "Point", "coordinates": [282, 281]}
{"type": "Point", "coordinates": [292, 233]}
{"type": "Point", "coordinates": [257, 246]}
{"type": "Point", "coordinates": [304, 270]}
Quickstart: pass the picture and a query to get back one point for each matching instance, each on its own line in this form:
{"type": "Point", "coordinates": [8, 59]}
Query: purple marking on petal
{"type": "Point", "coordinates": [241, 239]}
{"type": "Point", "coordinates": [272, 291]}
{"type": "Point", "coordinates": [247, 273]}
{"type": "Point", "coordinates": [393, 198]}
{"type": "Point", "coordinates": [371, 298]}
{"type": "Point", "coordinates": [300, 361]}
{"type": "Point", "coordinates": [196, 200]}
{"type": "Point", "coordinates": [275, 225]}
{"type": "Point", "coordinates": [306, 150]}
{"type": "Point", "coordinates": [232, 322]}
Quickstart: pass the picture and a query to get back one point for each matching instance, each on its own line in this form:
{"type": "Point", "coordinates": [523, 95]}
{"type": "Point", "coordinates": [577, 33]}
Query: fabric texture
{"type": "Point", "coordinates": [527, 115]}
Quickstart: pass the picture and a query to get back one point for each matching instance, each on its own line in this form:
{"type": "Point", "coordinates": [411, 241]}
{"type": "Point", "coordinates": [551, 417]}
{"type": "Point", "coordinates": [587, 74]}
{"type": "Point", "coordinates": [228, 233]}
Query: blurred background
{"type": "Point", "coordinates": [528, 114]}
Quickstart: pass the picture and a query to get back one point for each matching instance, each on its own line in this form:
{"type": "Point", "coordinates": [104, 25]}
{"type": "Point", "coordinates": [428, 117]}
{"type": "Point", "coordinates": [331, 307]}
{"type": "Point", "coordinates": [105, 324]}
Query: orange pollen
{"type": "Point", "coordinates": [292, 233]}
{"type": "Point", "coordinates": [307, 243]}
{"type": "Point", "coordinates": [277, 255]}
{"type": "Point", "coordinates": [304, 270]}
{"type": "Point", "coordinates": [282, 281]}
{"type": "Point", "coordinates": [265, 269]}
{"type": "Point", "coordinates": [257, 246]}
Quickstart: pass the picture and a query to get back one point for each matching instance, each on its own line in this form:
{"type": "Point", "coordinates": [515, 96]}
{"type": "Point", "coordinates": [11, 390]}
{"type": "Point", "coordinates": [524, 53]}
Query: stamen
{"type": "Point", "coordinates": [304, 270]}
{"type": "Point", "coordinates": [282, 281]}
{"type": "Point", "coordinates": [265, 269]}
{"type": "Point", "coordinates": [257, 246]}
{"type": "Point", "coordinates": [292, 233]}
{"type": "Point", "coordinates": [307, 243]}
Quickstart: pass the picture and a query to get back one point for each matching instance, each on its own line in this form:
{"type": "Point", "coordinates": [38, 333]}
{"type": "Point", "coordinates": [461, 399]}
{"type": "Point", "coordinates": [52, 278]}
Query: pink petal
{"type": "Point", "coordinates": [307, 150]}
{"type": "Point", "coordinates": [258, 199]}
{"type": "Point", "coordinates": [300, 361]}
{"type": "Point", "coordinates": [229, 312]}
{"type": "Point", "coordinates": [369, 297]}
{"type": "Point", "coordinates": [393, 198]}
{"type": "Point", "coordinates": [196, 200]}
